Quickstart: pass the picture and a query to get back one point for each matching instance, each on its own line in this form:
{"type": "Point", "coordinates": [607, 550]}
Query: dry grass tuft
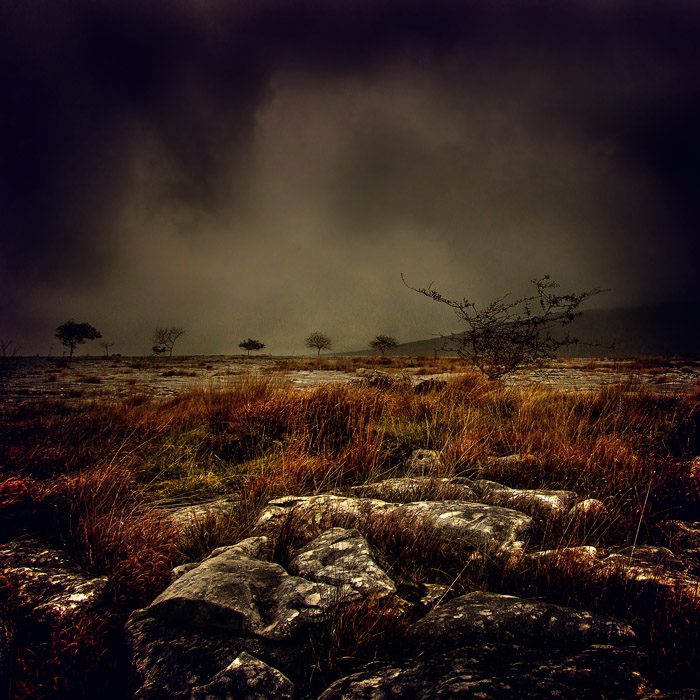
{"type": "Point", "coordinates": [89, 472]}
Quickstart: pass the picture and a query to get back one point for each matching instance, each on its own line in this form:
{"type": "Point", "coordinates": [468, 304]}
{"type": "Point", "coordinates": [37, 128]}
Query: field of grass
{"type": "Point", "coordinates": [95, 476]}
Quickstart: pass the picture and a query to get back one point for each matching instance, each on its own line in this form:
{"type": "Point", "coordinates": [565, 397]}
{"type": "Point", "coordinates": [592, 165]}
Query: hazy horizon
{"type": "Point", "coordinates": [266, 170]}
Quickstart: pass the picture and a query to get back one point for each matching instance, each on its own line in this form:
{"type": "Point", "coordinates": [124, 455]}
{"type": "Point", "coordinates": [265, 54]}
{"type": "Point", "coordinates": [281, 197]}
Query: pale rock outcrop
{"type": "Point", "coordinates": [417, 488]}
{"type": "Point", "coordinates": [500, 673]}
{"type": "Point", "coordinates": [658, 568]}
{"type": "Point", "coordinates": [237, 592]}
{"type": "Point", "coordinates": [485, 645]}
{"type": "Point", "coordinates": [590, 508]}
{"type": "Point", "coordinates": [246, 678]}
{"type": "Point", "coordinates": [474, 524]}
{"type": "Point", "coordinates": [190, 515]}
{"type": "Point", "coordinates": [49, 582]}
{"type": "Point", "coordinates": [319, 511]}
{"type": "Point", "coordinates": [557, 502]}
{"type": "Point", "coordinates": [343, 559]}
{"type": "Point", "coordinates": [491, 618]}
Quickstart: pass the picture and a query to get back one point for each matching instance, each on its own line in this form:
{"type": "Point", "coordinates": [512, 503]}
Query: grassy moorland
{"type": "Point", "coordinates": [94, 477]}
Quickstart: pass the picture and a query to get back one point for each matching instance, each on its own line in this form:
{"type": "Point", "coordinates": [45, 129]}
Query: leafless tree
{"type": "Point", "coordinates": [5, 346]}
{"type": "Point", "coordinates": [508, 334]}
{"type": "Point", "coordinates": [166, 338]}
{"type": "Point", "coordinates": [318, 341]}
{"type": "Point", "coordinates": [384, 343]}
{"type": "Point", "coordinates": [107, 344]}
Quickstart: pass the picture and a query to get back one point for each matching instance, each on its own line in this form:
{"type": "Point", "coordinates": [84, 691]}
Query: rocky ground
{"type": "Point", "coordinates": [34, 378]}
{"type": "Point", "coordinates": [240, 625]}
{"type": "Point", "coordinates": [259, 618]}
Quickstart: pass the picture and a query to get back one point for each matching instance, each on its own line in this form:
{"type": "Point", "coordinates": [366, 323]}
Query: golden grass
{"type": "Point", "coordinates": [92, 475]}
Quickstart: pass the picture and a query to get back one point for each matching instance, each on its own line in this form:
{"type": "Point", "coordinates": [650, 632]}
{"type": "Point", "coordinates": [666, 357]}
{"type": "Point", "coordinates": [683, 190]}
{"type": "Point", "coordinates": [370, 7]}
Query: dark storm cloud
{"type": "Point", "coordinates": [128, 127]}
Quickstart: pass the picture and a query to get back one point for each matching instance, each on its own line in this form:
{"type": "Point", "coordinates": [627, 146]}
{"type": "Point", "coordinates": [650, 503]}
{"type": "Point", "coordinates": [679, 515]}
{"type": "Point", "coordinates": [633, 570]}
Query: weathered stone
{"type": "Point", "coordinates": [246, 678]}
{"type": "Point", "coordinates": [500, 673]}
{"type": "Point", "coordinates": [657, 567]}
{"type": "Point", "coordinates": [419, 488]}
{"type": "Point", "coordinates": [323, 511]}
{"type": "Point", "coordinates": [424, 462]}
{"type": "Point", "coordinates": [49, 582]}
{"type": "Point", "coordinates": [475, 524]}
{"type": "Point", "coordinates": [237, 592]}
{"type": "Point", "coordinates": [490, 618]}
{"type": "Point", "coordinates": [553, 501]}
{"type": "Point", "coordinates": [342, 558]}
{"type": "Point", "coordinates": [590, 508]}
{"type": "Point", "coordinates": [168, 661]}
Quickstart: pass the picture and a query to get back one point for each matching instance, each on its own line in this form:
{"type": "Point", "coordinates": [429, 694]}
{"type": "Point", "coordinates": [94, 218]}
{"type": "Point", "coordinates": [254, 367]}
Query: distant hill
{"type": "Point", "coordinates": [669, 328]}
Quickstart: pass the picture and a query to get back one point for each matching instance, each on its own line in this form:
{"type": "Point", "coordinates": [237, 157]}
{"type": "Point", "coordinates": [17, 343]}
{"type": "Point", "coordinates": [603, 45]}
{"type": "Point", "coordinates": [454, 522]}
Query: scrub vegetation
{"type": "Point", "coordinates": [97, 478]}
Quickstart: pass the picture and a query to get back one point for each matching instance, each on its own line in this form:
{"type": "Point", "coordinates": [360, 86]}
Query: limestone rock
{"type": "Point", "coordinates": [553, 501]}
{"type": "Point", "coordinates": [323, 510]}
{"type": "Point", "coordinates": [491, 618]}
{"type": "Point", "coordinates": [657, 567]}
{"type": "Point", "coordinates": [246, 678]}
{"type": "Point", "coordinates": [342, 558]}
{"type": "Point", "coordinates": [168, 661]}
{"type": "Point", "coordinates": [476, 524]}
{"type": "Point", "coordinates": [237, 592]}
{"type": "Point", "coordinates": [50, 583]}
{"type": "Point", "coordinates": [591, 507]}
{"type": "Point", "coordinates": [500, 673]}
{"type": "Point", "coordinates": [418, 488]}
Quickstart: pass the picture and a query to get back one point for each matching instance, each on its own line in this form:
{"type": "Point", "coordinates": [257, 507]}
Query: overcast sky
{"type": "Point", "coordinates": [269, 168]}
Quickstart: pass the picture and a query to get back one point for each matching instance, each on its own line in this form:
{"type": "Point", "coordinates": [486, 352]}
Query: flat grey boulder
{"type": "Point", "coordinates": [475, 524]}
{"type": "Point", "coordinates": [246, 678]}
{"type": "Point", "coordinates": [239, 593]}
{"type": "Point", "coordinates": [342, 558]}
{"type": "Point", "coordinates": [590, 508]}
{"type": "Point", "coordinates": [491, 618]}
{"type": "Point", "coordinates": [656, 567]}
{"type": "Point", "coordinates": [553, 501]}
{"type": "Point", "coordinates": [321, 511]}
{"type": "Point", "coordinates": [169, 661]}
{"type": "Point", "coordinates": [500, 673]}
{"type": "Point", "coordinates": [417, 488]}
{"type": "Point", "coordinates": [50, 583]}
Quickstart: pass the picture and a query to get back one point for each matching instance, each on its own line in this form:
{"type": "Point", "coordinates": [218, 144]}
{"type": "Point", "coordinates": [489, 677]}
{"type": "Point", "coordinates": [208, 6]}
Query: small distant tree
{"type": "Point", "coordinates": [5, 346]}
{"type": "Point", "coordinates": [384, 343]}
{"type": "Point", "coordinates": [71, 334]}
{"type": "Point", "coordinates": [318, 341]}
{"type": "Point", "coordinates": [166, 338]}
{"type": "Point", "coordinates": [251, 344]}
{"type": "Point", "coordinates": [509, 334]}
{"type": "Point", "coordinates": [106, 344]}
